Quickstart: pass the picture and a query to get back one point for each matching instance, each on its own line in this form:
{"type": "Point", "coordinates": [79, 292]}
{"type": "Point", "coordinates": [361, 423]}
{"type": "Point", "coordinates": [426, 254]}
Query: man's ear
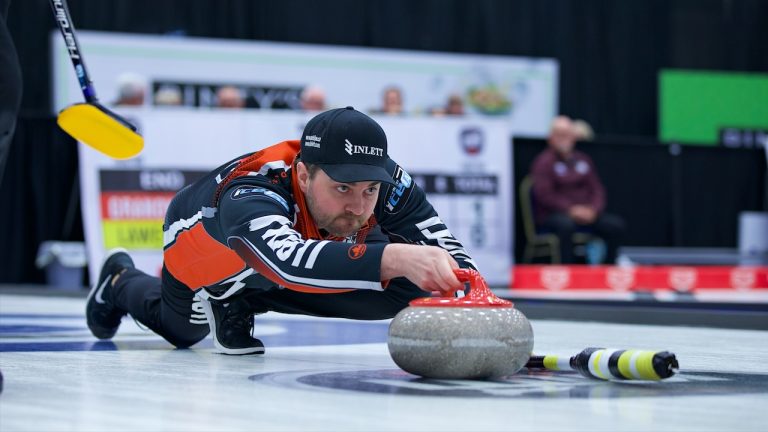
{"type": "Point", "coordinates": [302, 175]}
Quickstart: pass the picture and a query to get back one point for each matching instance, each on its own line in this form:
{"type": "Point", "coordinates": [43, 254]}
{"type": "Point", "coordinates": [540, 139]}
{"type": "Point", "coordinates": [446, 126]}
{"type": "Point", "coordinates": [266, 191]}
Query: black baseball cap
{"type": "Point", "coordinates": [348, 145]}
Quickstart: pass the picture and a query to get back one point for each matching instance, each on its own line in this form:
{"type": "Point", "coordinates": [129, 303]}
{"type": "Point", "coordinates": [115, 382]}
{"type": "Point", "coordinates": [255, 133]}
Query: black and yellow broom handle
{"type": "Point", "coordinates": [607, 364]}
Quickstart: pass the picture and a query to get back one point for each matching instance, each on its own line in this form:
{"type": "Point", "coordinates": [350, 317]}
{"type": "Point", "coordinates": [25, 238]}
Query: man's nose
{"type": "Point", "coordinates": [356, 205]}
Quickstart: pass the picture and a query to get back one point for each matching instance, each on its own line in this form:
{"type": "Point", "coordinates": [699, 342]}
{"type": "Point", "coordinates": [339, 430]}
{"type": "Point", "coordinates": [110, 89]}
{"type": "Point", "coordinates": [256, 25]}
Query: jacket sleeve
{"type": "Point", "coordinates": [406, 216]}
{"type": "Point", "coordinates": [258, 225]}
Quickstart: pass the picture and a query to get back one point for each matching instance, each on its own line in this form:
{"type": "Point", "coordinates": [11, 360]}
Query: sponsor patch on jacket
{"type": "Point", "coordinates": [254, 191]}
{"type": "Point", "coordinates": [357, 251]}
{"type": "Point", "coordinates": [399, 193]}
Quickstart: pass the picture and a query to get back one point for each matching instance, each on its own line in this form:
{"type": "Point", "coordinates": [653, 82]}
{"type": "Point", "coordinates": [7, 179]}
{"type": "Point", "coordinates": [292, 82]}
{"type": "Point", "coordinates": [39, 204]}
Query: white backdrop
{"type": "Point", "coordinates": [350, 76]}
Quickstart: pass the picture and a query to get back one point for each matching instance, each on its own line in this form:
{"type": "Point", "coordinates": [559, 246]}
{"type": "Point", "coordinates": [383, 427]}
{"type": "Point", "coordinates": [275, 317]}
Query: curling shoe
{"type": "Point", "coordinates": [102, 316]}
{"type": "Point", "coordinates": [231, 325]}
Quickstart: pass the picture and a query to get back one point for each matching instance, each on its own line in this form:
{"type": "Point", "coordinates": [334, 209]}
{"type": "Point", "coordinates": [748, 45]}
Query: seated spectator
{"type": "Point", "coordinates": [313, 99]}
{"type": "Point", "coordinates": [131, 89]}
{"type": "Point", "coordinates": [454, 107]}
{"type": "Point", "coordinates": [392, 102]}
{"type": "Point", "coordinates": [230, 97]}
{"type": "Point", "coordinates": [568, 195]}
{"type": "Point", "coordinates": [168, 95]}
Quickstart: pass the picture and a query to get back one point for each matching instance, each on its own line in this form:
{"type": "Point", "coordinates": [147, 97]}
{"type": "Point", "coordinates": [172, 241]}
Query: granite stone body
{"type": "Point", "coordinates": [460, 342]}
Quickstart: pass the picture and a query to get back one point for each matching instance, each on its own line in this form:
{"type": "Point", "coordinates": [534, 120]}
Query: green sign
{"type": "Point", "coordinates": [695, 105]}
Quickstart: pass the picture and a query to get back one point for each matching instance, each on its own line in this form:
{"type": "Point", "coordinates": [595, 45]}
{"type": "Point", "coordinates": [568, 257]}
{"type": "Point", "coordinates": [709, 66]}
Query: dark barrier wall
{"type": "Point", "coordinates": [38, 197]}
{"type": "Point", "coordinates": [668, 195]}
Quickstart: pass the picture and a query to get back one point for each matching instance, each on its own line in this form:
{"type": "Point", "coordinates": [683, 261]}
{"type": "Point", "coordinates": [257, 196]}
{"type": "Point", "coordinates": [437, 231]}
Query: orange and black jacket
{"type": "Point", "coordinates": [245, 224]}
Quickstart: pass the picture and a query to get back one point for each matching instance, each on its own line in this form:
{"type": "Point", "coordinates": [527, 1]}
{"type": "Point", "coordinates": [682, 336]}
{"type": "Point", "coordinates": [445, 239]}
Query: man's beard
{"type": "Point", "coordinates": [340, 226]}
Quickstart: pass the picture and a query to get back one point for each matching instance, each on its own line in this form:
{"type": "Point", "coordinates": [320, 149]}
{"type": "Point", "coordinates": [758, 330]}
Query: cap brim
{"type": "Point", "coordinates": [353, 173]}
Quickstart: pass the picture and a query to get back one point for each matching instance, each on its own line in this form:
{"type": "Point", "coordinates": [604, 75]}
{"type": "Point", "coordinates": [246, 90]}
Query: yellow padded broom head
{"type": "Point", "coordinates": [101, 129]}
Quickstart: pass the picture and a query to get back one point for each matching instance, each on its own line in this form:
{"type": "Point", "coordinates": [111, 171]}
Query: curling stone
{"type": "Point", "coordinates": [473, 337]}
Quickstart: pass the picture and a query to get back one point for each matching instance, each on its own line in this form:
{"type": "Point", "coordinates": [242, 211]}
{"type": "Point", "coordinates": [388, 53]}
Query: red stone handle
{"type": "Point", "coordinates": [478, 289]}
{"type": "Point", "coordinates": [479, 294]}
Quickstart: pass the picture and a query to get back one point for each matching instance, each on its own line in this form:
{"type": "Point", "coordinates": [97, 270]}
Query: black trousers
{"type": "Point", "coordinates": [173, 312]}
{"type": "Point", "coordinates": [607, 226]}
{"type": "Point", "coordinates": [357, 304]}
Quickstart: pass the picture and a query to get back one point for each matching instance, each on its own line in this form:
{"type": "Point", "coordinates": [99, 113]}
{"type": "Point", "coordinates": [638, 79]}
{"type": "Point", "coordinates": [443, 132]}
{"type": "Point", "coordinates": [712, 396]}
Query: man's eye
{"type": "Point", "coordinates": [342, 188]}
{"type": "Point", "coordinates": [372, 190]}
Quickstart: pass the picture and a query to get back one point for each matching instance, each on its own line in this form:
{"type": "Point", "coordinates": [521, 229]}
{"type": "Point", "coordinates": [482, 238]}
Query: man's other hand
{"type": "Point", "coordinates": [582, 214]}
